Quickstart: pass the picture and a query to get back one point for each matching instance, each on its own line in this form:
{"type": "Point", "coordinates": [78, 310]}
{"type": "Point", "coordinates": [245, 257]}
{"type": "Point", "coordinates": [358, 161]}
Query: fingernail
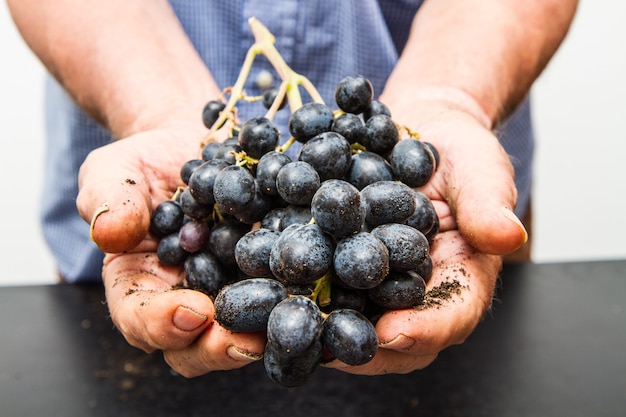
{"type": "Point", "coordinates": [239, 355]}
{"type": "Point", "coordinates": [511, 216]}
{"type": "Point", "coordinates": [188, 320]}
{"type": "Point", "coordinates": [399, 342]}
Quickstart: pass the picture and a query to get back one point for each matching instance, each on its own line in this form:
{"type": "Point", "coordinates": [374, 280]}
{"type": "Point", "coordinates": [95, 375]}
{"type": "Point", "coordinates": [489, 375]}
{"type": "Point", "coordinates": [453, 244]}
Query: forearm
{"type": "Point", "coordinates": [127, 63]}
{"type": "Point", "coordinates": [483, 55]}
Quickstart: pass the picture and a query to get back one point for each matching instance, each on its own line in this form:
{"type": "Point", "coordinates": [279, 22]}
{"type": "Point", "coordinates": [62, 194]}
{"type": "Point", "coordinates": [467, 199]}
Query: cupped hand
{"type": "Point", "coordinates": [474, 193]}
{"type": "Point", "coordinates": [119, 185]}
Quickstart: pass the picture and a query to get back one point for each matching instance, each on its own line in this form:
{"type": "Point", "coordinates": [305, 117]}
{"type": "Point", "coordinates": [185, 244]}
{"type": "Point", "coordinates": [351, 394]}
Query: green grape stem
{"type": "Point", "coordinates": [291, 80]}
{"type": "Point", "coordinates": [321, 292]}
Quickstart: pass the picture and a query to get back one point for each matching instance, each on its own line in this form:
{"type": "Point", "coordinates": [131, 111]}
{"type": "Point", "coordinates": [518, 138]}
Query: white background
{"type": "Point", "coordinates": [579, 108]}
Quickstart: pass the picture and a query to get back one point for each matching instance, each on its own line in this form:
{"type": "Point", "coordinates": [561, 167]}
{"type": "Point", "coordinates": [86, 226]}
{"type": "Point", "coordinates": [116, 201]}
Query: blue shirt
{"type": "Point", "coordinates": [323, 40]}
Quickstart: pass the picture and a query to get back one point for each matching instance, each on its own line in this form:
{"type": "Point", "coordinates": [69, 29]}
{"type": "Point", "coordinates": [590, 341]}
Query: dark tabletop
{"type": "Point", "coordinates": [553, 345]}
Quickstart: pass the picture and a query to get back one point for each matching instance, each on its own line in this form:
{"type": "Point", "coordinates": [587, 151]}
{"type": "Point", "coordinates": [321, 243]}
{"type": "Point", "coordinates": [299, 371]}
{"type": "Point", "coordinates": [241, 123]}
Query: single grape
{"type": "Point", "coordinates": [329, 154]}
{"type": "Point", "coordinates": [223, 239]}
{"type": "Point", "coordinates": [260, 205]}
{"type": "Point", "coordinates": [380, 134]}
{"type": "Point", "coordinates": [294, 214]}
{"type": "Point", "coordinates": [193, 235]}
{"type": "Point", "coordinates": [354, 94]}
{"type": "Point", "coordinates": [270, 95]}
{"type": "Point", "coordinates": [424, 218]}
{"type": "Point", "coordinates": [387, 202]}
{"type": "Point", "coordinates": [367, 168]}
{"type": "Point", "coordinates": [187, 169]}
{"type": "Point", "coordinates": [192, 207]}
{"type": "Point", "coordinates": [170, 252]}
{"type": "Point", "coordinates": [434, 151]}
{"type": "Point", "coordinates": [209, 150]}
{"type": "Point", "coordinates": [349, 336]}
{"type": "Point", "coordinates": [361, 261]}
{"type": "Point", "coordinates": [227, 151]}
{"type": "Point", "coordinates": [204, 273]}
{"type": "Point", "coordinates": [376, 107]}
{"type": "Point", "coordinates": [252, 252]}
{"type": "Point", "coordinates": [336, 208]}
{"type": "Point", "coordinates": [350, 126]}
{"type": "Point", "coordinates": [296, 182]}
{"type": "Point", "coordinates": [245, 306]}
{"type": "Point", "coordinates": [310, 120]}
{"type": "Point", "coordinates": [294, 325]}
{"type": "Point", "coordinates": [211, 112]}
{"type": "Point", "coordinates": [425, 269]}
{"type": "Point", "coordinates": [290, 372]}
{"type": "Point", "coordinates": [258, 136]}
{"type": "Point", "coordinates": [202, 180]}
{"type": "Point", "coordinates": [166, 218]}
{"type": "Point", "coordinates": [273, 219]}
{"type": "Point", "coordinates": [267, 170]}
{"type": "Point", "coordinates": [408, 247]}
{"type": "Point", "coordinates": [399, 290]}
{"type": "Point", "coordinates": [233, 189]}
{"type": "Point", "coordinates": [302, 254]}
{"type": "Point", "coordinates": [412, 162]}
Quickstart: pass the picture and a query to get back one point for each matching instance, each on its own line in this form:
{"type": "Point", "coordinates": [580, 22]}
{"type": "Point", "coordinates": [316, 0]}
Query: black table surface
{"type": "Point", "coordinates": [553, 345]}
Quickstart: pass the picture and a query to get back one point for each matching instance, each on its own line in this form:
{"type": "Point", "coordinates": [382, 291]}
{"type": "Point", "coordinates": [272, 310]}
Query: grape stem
{"type": "Point", "coordinates": [291, 80]}
{"type": "Point", "coordinates": [321, 292]}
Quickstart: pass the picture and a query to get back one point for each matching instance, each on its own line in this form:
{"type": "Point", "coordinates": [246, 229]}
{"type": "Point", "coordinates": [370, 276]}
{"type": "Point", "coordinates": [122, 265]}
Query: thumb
{"type": "Point", "coordinates": [482, 194]}
{"type": "Point", "coordinates": [114, 199]}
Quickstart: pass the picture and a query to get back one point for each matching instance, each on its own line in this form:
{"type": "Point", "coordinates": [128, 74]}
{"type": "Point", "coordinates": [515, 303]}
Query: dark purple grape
{"type": "Point", "coordinates": [302, 254]}
{"type": "Point", "coordinates": [361, 261]}
{"type": "Point", "coordinates": [376, 107]}
{"type": "Point", "coordinates": [350, 126]}
{"type": "Point", "coordinates": [209, 150]}
{"type": "Point", "coordinates": [260, 205]}
{"type": "Point", "coordinates": [258, 136]}
{"type": "Point", "coordinates": [424, 218]}
{"type": "Point", "coordinates": [336, 208]}
{"type": "Point", "coordinates": [399, 290]}
{"type": "Point", "coordinates": [187, 169]}
{"type": "Point", "coordinates": [291, 372]}
{"type": "Point", "coordinates": [273, 218]}
{"type": "Point", "coordinates": [294, 325]}
{"type": "Point", "coordinates": [269, 96]}
{"type": "Point", "coordinates": [223, 239]}
{"type": "Point", "coordinates": [193, 208]}
{"type": "Point", "coordinates": [367, 168]}
{"type": "Point", "coordinates": [387, 202]}
{"type": "Point", "coordinates": [329, 154]}
{"type": "Point", "coordinates": [341, 297]}
{"type": "Point", "coordinates": [425, 269]}
{"type": "Point", "coordinates": [227, 151]}
{"type": "Point", "coordinates": [380, 134]}
{"type": "Point", "coordinates": [204, 273]}
{"type": "Point", "coordinates": [354, 94]}
{"type": "Point", "coordinates": [434, 151]}
{"type": "Point", "coordinates": [166, 218]}
{"type": "Point", "coordinates": [412, 162]}
{"type": "Point", "coordinates": [203, 178]}
{"type": "Point", "coordinates": [296, 182]}
{"type": "Point", "coordinates": [245, 306]}
{"type": "Point", "coordinates": [233, 189]}
{"type": "Point", "coordinates": [267, 170]}
{"type": "Point", "coordinates": [310, 120]}
{"type": "Point", "coordinates": [169, 251]}
{"type": "Point", "coordinates": [193, 235]}
{"type": "Point", "coordinates": [350, 337]}
{"type": "Point", "coordinates": [252, 252]}
{"type": "Point", "coordinates": [408, 247]}
{"type": "Point", "coordinates": [293, 214]}
{"type": "Point", "coordinates": [211, 112]}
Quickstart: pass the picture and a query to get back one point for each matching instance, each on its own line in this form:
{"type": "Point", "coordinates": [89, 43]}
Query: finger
{"type": "Point", "coordinates": [114, 198]}
{"type": "Point", "coordinates": [146, 308]}
{"type": "Point", "coordinates": [216, 349]}
{"type": "Point", "coordinates": [458, 294]}
{"type": "Point", "coordinates": [480, 189]}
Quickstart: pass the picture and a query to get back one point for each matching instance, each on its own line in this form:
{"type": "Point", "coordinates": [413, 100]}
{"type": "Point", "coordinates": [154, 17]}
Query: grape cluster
{"type": "Point", "coordinates": [311, 250]}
